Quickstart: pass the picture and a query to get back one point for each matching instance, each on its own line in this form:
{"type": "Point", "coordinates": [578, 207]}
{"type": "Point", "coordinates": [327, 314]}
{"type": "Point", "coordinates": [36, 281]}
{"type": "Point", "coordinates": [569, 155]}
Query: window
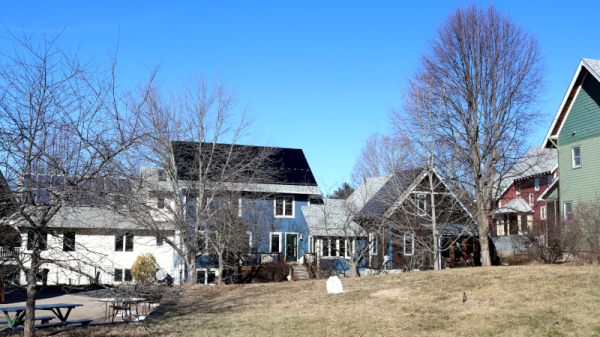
{"type": "Point", "coordinates": [531, 199]}
{"type": "Point", "coordinates": [543, 212]}
{"type": "Point", "coordinates": [161, 175]}
{"type": "Point", "coordinates": [421, 204]}
{"type": "Point", "coordinates": [160, 202]}
{"type": "Point", "coordinates": [69, 241]}
{"type": "Point", "coordinates": [123, 275]}
{"type": "Point", "coordinates": [576, 155]}
{"type": "Point", "coordinates": [43, 240]}
{"type": "Point", "coordinates": [499, 203]}
{"type": "Point", "coordinates": [124, 243]}
{"type": "Point", "coordinates": [549, 179]}
{"type": "Point", "coordinates": [333, 247]}
{"type": "Point", "coordinates": [205, 277]}
{"type": "Point", "coordinates": [518, 187]}
{"type": "Point", "coordinates": [537, 184]}
{"type": "Point", "coordinates": [568, 209]}
{"type": "Point", "coordinates": [284, 206]}
{"type": "Point", "coordinates": [275, 242]}
{"type": "Point", "coordinates": [240, 207]}
{"type": "Point", "coordinates": [159, 241]}
{"type": "Point", "coordinates": [409, 244]}
{"type": "Point", "coordinates": [373, 242]}
{"type": "Point", "coordinates": [311, 244]}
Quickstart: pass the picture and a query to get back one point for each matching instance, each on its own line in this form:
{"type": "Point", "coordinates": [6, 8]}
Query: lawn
{"type": "Point", "coordinates": [516, 300]}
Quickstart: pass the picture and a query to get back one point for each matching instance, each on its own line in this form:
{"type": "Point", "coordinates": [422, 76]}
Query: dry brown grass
{"type": "Point", "coordinates": [521, 301]}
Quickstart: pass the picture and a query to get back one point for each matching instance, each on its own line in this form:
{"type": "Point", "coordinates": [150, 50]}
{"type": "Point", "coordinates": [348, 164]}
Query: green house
{"type": "Point", "coordinates": [575, 132]}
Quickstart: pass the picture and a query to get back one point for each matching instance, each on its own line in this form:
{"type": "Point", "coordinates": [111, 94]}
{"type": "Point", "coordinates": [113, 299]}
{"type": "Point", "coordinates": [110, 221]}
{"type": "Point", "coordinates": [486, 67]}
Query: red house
{"type": "Point", "coordinates": [518, 208]}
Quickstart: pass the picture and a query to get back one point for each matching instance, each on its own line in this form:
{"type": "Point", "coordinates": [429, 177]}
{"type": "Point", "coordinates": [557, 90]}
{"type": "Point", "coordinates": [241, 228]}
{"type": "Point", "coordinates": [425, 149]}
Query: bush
{"type": "Point", "coordinates": [144, 268]}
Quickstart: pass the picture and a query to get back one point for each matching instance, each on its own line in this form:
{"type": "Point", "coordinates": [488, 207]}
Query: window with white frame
{"type": "Point", "coordinates": [334, 247]}
{"type": "Point", "coordinates": [311, 244]}
{"type": "Point", "coordinates": [518, 187]}
{"type": "Point", "coordinates": [284, 206]}
{"type": "Point", "coordinates": [123, 275]}
{"type": "Point", "coordinates": [275, 242]}
{"type": "Point", "coordinates": [543, 212]}
{"type": "Point", "coordinates": [124, 242]}
{"type": "Point", "coordinates": [421, 204]}
{"type": "Point", "coordinates": [531, 199]}
{"type": "Point", "coordinates": [568, 210]}
{"type": "Point", "coordinates": [409, 244]}
{"type": "Point", "coordinates": [159, 241]}
{"type": "Point", "coordinates": [205, 277]}
{"type": "Point", "coordinates": [537, 184]}
{"type": "Point", "coordinates": [374, 243]}
{"type": "Point", "coordinates": [576, 156]}
{"type": "Point", "coordinates": [161, 175]}
{"type": "Point", "coordinates": [160, 204]}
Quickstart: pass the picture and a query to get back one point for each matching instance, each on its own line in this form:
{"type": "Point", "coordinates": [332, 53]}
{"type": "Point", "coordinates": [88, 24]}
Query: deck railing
{"type": "Point", "coordinates": [9, 253]}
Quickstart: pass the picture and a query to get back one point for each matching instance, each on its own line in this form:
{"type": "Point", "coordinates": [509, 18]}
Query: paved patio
{"type": "Point", "coordinates": [91, 309]}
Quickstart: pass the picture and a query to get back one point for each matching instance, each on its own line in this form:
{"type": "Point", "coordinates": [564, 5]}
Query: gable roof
{"type": "Point", "coordinates": [517, 205]}
{"type": "Point", "coordinates": [538, 160]}
{"type": "Point", "coordinates": [290, 165]}
{"type": "Point", "coordinates": [333, 218]}
{"type": "Point", "coordinates": [586, 67]}
{"type": "Point", "coordinates": [548, 190]}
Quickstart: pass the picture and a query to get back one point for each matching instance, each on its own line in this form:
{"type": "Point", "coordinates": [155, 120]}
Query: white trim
{"type": "Point", "coordinates": [421, 211]}
{"type": "Point", "coordinates": [311, 244]}
{"type": "Point", "coordinates": [531, 199]}
{"type": "Point", "coordinates": [249, 241]}
{"type": "Point", "coordinates": [373, 248]}
{"type": "Point", "coordinates": [271, 240]}
{"type": "Point", "coordinates": [564, 101]}
{"type": "Point", "coordinates": [573, 157]}
{"type": "Point", "coordinates": [124, 236]}
{"type": "Point", "coordinates": [543, 213]}
{"type": "Point", "coordinates": [275, 206]}
{"type": "Point", "coordinates": [412, 240]}
{"type": "Point", "coordinates": [572, 103]}
{"type": "Point", "coordinates": [543, 195]}
{"type": "Point", "coordinates": [565, 209]}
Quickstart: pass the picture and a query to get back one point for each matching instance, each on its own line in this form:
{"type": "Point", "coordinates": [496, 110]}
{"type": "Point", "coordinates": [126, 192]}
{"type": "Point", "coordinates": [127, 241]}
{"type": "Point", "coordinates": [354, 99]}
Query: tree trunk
{"type": "Point", "coordinates": [434, 224]}
{"type": "Point", "coordinates": [220, 278]}
{"type": "Point", "coordinates": [191, 266]}
{"type": "Point", "coordinates": [32, 289]}
{"type": "Point", "coordinates": [482, 229]}
{"type": "Point", "coordinates": [354, 270]}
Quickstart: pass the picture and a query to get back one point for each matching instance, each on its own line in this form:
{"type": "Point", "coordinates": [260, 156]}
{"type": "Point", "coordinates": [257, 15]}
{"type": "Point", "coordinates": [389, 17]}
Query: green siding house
{"type": "Point", "coordinates": [575, 132]}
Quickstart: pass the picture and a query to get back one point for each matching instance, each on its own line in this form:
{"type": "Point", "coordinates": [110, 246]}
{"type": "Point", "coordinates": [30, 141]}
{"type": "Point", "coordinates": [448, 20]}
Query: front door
{"type": "Point", "coordinates": [291, 247]}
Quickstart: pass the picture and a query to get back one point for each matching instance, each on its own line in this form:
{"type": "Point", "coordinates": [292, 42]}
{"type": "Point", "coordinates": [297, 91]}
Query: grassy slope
{"type": "Point", "coordinates": [526, 301]}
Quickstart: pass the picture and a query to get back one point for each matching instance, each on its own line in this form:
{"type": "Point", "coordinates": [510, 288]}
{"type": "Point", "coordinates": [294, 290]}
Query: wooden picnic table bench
{"type": "Point", "coordinates": [44, 319]}
{"type": "Point", "coordinates": [53, 325]}
{"type": "Point", "coordinates": [19, 317]}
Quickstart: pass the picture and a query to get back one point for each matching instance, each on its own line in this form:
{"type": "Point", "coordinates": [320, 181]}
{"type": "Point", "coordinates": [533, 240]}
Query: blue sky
{"type": "Point", "coordinates": [320, 75]}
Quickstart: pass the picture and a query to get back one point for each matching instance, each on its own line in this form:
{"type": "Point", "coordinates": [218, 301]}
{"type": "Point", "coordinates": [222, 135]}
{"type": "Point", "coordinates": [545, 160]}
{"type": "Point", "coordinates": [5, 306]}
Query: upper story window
{"type": "Point", "coordinates": [549, 179]}
{"type": "Point", "coordinates": [518, 187]}
{"type": "Point", "coordinates": [124, 243]}
{"type": "Point", "coordinates": [576, 155]}
{"type": "Point", "coordinates": [161, 175]}
{"type": "Point", "coordinates": [531, 199]}
{"type": "Point", "coordinates": [69, 241]}
{"type": "Point", "coordinates": [421, 204]}
{"type": "Point", "coordinates": [43, 237]}
{"type": "Point", "coordinates": [284, 206]}
{"type": "Point", "coordinates": [537, 184]}
{"type": "Point", "coordinates": [160, 202]}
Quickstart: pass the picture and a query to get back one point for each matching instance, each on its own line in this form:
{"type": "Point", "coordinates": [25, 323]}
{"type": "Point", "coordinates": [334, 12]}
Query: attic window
{"type": "Point", "coordinates": [518, 187]}
{"type": "Point", "coordinates": [421, 204]}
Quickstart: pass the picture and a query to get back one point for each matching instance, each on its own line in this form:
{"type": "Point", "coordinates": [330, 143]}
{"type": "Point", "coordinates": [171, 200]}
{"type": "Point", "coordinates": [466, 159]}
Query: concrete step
{"type": "Point", "coordinates": [300, 274]}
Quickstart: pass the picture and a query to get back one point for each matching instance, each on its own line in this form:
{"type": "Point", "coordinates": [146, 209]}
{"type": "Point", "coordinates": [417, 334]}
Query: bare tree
{"type": "Point", "coordinates": [380, 156]}
{"type": "Point", "coordinates": [490, 72]}
{"type": "Point", "coordinates": [63, 126]}
{"type": "Point", "coordinates": [203, 175]}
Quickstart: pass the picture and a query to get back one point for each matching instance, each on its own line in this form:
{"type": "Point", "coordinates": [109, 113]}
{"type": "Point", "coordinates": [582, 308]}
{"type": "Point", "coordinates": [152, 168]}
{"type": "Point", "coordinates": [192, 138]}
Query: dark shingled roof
{"type": "Point", "coordinates": [390, 191]}
{"type": "Point", "coordinates": [290, 165]}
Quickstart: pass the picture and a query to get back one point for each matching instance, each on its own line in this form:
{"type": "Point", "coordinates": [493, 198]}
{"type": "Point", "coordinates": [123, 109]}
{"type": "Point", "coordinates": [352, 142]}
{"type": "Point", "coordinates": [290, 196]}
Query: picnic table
{"type": "Point", "coordinates": [125, 305]}
{"type": "Point", "coordinates": [55, 308]}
